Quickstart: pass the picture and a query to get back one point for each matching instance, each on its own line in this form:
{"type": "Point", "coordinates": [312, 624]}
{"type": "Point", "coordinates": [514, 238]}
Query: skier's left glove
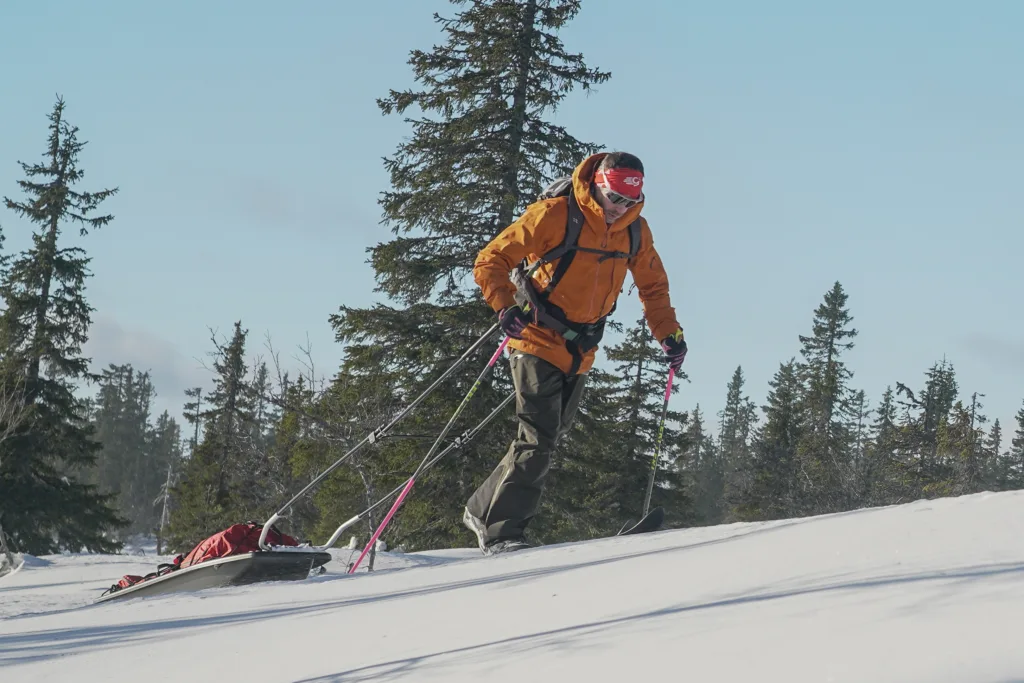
{"type": "Point", "coordinates": [513, 321]}
{"type": "Point", "coordinates": [674, 347]}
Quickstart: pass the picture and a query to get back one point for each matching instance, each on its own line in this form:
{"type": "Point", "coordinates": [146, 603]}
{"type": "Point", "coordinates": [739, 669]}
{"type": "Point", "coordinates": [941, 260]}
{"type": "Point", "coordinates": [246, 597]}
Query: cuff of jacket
{"type": "Point", "coordinates": [502, 299]}
{"type": "Point", "coordinates": [664, 331]}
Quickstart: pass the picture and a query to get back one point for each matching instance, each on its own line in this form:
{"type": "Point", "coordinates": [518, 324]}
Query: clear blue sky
{"type": "Point", "coordinates": [787, 144]}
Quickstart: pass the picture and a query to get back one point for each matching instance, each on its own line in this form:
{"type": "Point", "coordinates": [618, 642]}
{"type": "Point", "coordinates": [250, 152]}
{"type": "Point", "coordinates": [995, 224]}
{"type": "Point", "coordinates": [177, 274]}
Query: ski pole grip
{"type": "Point", "coordinates": [266, 529]}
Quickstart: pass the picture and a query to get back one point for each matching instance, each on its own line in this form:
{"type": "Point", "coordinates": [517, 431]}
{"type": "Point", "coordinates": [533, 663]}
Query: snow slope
{"type": "Point", "coordinates": [929, 591]}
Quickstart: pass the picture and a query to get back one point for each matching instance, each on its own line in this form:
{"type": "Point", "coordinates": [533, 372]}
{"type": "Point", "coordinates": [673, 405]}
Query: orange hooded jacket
{"type": "Point", "coordinates": [588, 290]}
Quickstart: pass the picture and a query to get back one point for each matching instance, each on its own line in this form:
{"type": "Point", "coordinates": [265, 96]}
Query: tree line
{"type": "Point", "coordinates": [84, 473]}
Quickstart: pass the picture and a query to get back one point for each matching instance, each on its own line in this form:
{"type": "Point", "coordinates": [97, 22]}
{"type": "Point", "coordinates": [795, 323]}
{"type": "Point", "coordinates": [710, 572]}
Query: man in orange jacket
{"type": "Point", "coordinates": [580, 246]}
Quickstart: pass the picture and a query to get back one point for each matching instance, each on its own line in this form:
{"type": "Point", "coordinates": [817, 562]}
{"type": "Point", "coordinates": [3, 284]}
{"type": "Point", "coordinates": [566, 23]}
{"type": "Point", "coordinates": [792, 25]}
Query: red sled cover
{"type": "Point", "coordinates": [235, 540]}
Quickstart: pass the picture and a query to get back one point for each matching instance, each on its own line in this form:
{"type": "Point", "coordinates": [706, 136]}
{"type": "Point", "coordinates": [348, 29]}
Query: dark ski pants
{"type": "Point", "coordinates": [546, 402]}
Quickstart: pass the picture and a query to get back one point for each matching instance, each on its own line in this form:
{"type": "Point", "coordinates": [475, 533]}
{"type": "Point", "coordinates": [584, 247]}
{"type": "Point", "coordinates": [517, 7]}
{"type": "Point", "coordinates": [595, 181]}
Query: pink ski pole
{"type": "Point", "coordinates": [430, 453]}
{"type": "Point", "coordinates": [657, 446]}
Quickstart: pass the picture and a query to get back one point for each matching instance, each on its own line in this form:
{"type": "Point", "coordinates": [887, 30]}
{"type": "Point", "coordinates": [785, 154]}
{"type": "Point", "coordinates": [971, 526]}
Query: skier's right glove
{"type": "Point", "coordinates": [513, 321]}
{"type": "Point", "coordinates": [674, 347]}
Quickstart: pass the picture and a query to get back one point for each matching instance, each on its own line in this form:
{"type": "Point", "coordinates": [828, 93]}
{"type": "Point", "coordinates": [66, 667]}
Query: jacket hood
{"type": "Point", "coordinates": [583, 182]}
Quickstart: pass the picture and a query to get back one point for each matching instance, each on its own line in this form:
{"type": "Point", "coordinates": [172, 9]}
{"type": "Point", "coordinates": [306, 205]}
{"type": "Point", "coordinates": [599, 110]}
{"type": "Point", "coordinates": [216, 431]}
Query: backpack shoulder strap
{"type": "Point", "coordinates": [635, 236]}
{"type": "Point", "coordinates": [565, 252]}
{"type": "Point", "coordinates": [567, 249]}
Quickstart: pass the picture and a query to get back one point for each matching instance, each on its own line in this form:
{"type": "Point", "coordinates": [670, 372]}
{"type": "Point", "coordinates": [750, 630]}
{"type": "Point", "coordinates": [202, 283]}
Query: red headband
{"type": "Point", "coordinates": [625, 181]}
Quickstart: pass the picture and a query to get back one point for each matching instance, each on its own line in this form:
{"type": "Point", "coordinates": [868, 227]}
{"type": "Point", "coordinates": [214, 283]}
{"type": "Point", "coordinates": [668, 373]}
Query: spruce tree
{"type": "Point", "coordinates": [45, 507]}
{"type": "Point", "coordinates": [127, 464]}
{"type": "Point", "coordinates": [261, 477]}
{"type": "Point", "coordinates": [105, 411]}
{"type": "Point", "coordinates": [886, 479]}
{"type": "Point", "coordinates": [163, 470]}
{"type": "Point", "coordinates": [297, 447]}
{"type": "Point", "coordinates": [973, 465]}
{"type": "Point", "coordinates": [1015, 456]}
{"type": "Point", "coordinates": [774, 490]}
{"type": "Point", "coordinates": [461, 178]}
{"type": "Point", "coordinates": [997, 474]}
{"type": "Point", "coordinates": [12, 412]}
{"type": "Point", "coordinates": [192, 411]}
{"type": "Point", "coordinates": [825, 446]}
{"type": "Point", "coordinates": [949, 438]}
{"type": "Point", "coordinates": [208, 497]}
{"type": "Point", "coordinates": [737, 421]}
{"type": "Point", "coordinates": [926, 413]}
{"type": "Point", "coordinates": [707, 473]}
{"type": "Point", "coordinates": [465, 176]}
{"type": "Point", "coordinates": [858, 428]}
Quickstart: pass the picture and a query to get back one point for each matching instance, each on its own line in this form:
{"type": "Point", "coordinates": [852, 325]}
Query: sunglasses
{"type": "Point", "coordinates": [619, 199]}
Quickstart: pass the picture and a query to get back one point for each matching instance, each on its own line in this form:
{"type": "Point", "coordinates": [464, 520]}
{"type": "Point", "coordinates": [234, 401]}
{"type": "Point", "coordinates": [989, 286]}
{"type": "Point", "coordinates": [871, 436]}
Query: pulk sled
{"type": "Point", "coordinates": [251, 552]}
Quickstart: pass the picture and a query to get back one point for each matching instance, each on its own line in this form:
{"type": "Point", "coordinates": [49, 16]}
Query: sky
{"type": "Point", "coordinates": [788, 145]}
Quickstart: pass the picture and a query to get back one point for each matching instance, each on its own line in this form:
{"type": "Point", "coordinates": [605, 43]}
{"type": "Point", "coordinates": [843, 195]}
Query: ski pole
{"type": "Point", "coordinates": [459, 442]}
{"type": "Point", "coordinates": [378, 433]}
{"type": "Point", "coordinates": [657, 443]}
{"type": "Point", "coordinates": [430, 453]}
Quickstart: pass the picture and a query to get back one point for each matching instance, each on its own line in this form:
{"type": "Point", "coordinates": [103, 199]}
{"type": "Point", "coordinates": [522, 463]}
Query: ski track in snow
{"type": "Point", "coordinates": [927, 591]}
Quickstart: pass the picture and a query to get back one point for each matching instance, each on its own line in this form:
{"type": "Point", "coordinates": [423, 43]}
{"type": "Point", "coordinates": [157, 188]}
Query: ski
{"type": "Point", "coordinates": [651, 522]}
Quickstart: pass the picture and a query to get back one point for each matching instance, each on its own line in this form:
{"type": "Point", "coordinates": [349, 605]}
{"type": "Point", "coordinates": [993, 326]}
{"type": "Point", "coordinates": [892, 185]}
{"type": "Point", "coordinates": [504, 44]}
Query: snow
{"type": "Point", "coordinates": [927, 591]}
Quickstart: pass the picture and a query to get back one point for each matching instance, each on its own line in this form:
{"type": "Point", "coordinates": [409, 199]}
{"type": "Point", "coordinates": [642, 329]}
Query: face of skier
{"type": "Point", "coordinates": [616, 190]}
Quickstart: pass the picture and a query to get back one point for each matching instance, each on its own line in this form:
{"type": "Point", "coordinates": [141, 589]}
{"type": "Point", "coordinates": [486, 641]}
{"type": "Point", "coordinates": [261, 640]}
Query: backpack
{"type": "Point", "coordinates": [579, 337]}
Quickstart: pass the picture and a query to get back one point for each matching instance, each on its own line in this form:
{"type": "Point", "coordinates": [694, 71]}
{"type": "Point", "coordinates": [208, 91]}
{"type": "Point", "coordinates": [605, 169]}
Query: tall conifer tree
{"type": "Point", "coordinates": [127, 464]}
{"type": "Point", "coordinates": [775, 490]}
{"type": "Point", "coordinates": [207, 498]}
{"type": "Point", "coordinates": [1015, 455]}
{"type": "Point", "coordinates": [927, 412]}
{"type": "Point", "coordinates": [166, 454]}
{"type": "Point", "coordinates": [707, 472]}
{"type": "Point", "coordinates": [969, 463]}
{"type": "Point", "coordinates": [825, 446]}
{"type": "Point", "coordinates": [885, 474]}
{"type": "Point", "coordinates": [46, 321]}
{"type": "Point", "coordinates": [464, 175]}
{"type": "Point", "coordinates": [997, 474]}
{"type": "Point", "coordinates": [737, 422]}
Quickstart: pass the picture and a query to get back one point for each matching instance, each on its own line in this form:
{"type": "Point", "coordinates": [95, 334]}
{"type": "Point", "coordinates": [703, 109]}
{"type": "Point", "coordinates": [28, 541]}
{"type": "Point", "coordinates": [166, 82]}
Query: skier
{"type": "Point", "coordinates": [580, 239]}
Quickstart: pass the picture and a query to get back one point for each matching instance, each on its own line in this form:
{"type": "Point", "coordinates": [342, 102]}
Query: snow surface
{"type": "Point", "coordinates": [928, 591]}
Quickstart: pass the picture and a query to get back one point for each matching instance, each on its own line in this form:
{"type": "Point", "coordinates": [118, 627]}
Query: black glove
{"type": "Point", "coordinates": [674, 347]}
{"type": "Point", "coordinates": [513, 321]}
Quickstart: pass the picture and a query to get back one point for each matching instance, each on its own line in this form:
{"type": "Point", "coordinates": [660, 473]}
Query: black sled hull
{"type": "Point", "coordinates": [235, 570]}
{"type": "Point", "coordinates": [652, 522]}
